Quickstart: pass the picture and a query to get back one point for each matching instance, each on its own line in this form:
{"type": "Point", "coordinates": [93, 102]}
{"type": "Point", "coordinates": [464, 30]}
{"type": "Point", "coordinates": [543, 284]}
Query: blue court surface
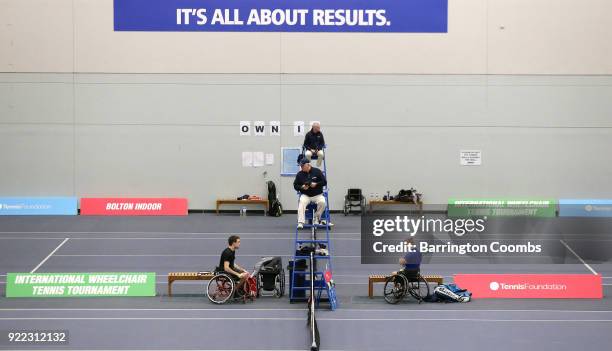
{"type": "Point", "coordinates": [188, 321]}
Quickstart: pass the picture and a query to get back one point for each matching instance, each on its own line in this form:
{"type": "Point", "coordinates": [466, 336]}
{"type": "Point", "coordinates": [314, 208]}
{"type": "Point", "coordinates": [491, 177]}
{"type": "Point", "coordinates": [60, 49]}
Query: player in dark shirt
{"type": "Point", "coordinates": [227, 262]}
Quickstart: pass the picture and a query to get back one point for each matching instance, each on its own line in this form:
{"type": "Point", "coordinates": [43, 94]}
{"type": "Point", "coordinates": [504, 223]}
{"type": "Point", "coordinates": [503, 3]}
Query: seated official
{"type": "Point", "coordinates": [314, 143]}
{"type": "Point", "coordinates": [309, 181]}
{"type": "Point", "coordinates": [411, 261]}
{"type": "Point", "coordinates": [227, 262]}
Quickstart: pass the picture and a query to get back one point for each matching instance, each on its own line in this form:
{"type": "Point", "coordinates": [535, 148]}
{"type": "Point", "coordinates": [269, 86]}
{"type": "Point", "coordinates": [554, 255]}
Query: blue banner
{"type": "Point", "coordinates": [585, 208]}
{"type": "Point", "coordinates": [11, 206]}
{"type": "Point", "coordinates": [398, 16]}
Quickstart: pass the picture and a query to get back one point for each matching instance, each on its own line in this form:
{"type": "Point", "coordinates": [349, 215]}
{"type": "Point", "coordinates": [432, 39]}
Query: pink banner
{"type": "Point", "coordinates": [134, 207]}
{"type": "Point", "coordinates": [532, 286]}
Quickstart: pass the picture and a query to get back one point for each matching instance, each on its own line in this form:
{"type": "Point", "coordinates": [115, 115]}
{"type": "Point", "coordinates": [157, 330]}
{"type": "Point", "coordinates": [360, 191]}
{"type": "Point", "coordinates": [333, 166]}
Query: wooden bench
{"type": "Point", "coordinates": [172, 277]}
{"type": "Point", "coordinates": [380, 278]}
{"type": "Point", "coordinates": [265, 203]}
{"type": "Point", "coordinates": [419, 204]}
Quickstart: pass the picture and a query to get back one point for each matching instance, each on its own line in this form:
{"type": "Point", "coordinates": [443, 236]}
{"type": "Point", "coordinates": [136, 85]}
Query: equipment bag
{"type": "Point", "coordinates": [275, 209]}
{"type": "Point", "coordinates": [405, 195]}
{"type": "Point", "coordinates": [450, 293]}
{"type": "Point", "coordinates": [252, 286]}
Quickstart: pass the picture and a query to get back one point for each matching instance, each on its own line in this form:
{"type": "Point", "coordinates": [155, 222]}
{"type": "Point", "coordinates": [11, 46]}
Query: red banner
{"type": "Point", "coordinates": [134, 207]}
{"type": "Point", "coordinates": [532, 286]}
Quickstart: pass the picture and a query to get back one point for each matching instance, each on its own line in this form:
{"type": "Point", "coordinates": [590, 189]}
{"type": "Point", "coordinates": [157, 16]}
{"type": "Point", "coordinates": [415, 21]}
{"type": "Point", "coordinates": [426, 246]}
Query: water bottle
{"type": "Point", "coordinates": [243, 212]}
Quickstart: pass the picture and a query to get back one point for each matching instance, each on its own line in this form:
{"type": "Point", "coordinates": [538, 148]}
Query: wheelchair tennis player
{"type": "Point", "coordinates": [411, 261]}
{"type": "Point", "coordinates": [228, 265]}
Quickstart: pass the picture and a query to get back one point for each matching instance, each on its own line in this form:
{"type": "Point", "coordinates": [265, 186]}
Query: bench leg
{"type": "Point", "coordinates": [370, 289]}
{"type": "Point", "coordinates": [169, 287]}
{"type": "Point", "coordinates": [217, 208]}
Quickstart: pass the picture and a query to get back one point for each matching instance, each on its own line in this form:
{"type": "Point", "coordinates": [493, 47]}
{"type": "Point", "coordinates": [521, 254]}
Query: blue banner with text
{"type": "Point", "coordinates": [12, 206]}
{"type": "Point", "coordinates": [393, 16]}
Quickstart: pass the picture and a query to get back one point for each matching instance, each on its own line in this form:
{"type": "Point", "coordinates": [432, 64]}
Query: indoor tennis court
{"type": "Point", "coordinates": [305, 175]}
{"type": "Point", "coordinates": [187, 320]}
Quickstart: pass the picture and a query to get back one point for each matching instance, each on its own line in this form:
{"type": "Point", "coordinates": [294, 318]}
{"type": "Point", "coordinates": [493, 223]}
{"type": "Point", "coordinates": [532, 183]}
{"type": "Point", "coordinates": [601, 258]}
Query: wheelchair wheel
{"type": "Point", "coordinates": [395, 288]}
{"type": "Point", "coordinates": [279, 283]}
{"type": "Point", "coordinates": [418, 288]}
{"type": "Point", "coordinates": [220, 289]}
{"type": "Point", "coordinates": [347, 208]}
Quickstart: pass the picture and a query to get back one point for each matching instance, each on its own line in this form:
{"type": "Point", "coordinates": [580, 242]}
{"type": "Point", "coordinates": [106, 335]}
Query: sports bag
{"type": "Point", "coordinates": [275, 209]}
{"type": "Point", "coordinates": [405, 195]}
{"type": "Point", "coordinates": [450, 293]}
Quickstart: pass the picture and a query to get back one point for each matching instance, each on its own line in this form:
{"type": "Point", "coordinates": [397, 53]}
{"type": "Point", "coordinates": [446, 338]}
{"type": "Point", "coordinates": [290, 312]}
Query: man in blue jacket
{"type": "Point", "coordinates": [309, 181]}
{"type": "Point", "coordinates": [411, 261]}
{"type": "Point", "coordinates": [314, 143]}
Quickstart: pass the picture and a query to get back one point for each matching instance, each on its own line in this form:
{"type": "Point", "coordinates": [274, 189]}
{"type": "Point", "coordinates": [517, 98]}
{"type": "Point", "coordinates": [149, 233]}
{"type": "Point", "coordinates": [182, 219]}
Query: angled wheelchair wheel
{"type": "Point", "coordinates": [395, 288]}
{"type": "Point", "coordinates": [347, 208]}
{"type": "Point", "coordinates": [220, 289]}
{"type": "Point", "coordinates": [418, 288]}
{"type": "Point", "coordinates": [279, 283]}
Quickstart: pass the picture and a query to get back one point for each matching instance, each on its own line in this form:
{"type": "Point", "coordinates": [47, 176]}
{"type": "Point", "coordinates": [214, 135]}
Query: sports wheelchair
{"type": "Point", "coordinates": [404, 283]}
{"type": "Point", "coordinates": [268, 275]}
{"type": "Point", "coordinates": [354, 198]}
{"type": "Point", "coordinates": [222, 288]}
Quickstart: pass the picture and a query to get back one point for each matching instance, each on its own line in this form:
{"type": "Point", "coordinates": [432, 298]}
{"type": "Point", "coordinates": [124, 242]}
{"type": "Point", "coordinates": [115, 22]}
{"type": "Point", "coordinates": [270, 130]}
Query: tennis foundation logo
{"type": "Point", "coordinates": [495, 286]}
{"type": "Point", "coordinates": [532, 286]}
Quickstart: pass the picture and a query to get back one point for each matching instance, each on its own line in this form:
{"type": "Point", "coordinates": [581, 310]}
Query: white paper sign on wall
{"type": "Point", "coordinates": [260, 128]}
{"type": "Point", "coordinates": [245, 128]}
{"type": "Point", "coordinates": [275, 128]}
{"type": "Point", "coordinates": [298, 128]}
{"type": "Point", "coordinates": [470, 157]}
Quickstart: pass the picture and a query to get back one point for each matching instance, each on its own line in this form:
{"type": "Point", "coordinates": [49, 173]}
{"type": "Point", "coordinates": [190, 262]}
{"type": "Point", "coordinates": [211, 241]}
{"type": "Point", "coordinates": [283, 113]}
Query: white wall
{"type": "Point", "coordinates": [485, 36]}
{"type": "Point", "coordinates": [87, 111]}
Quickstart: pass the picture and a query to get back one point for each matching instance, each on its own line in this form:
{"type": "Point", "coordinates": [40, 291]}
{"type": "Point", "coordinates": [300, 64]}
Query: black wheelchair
{"type": "Point", "coordinates": [405, 283]}
{"type": "Point", "coordinates": [354, 198]}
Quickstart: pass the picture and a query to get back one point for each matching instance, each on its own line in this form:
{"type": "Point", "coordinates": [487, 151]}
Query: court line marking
{"type": "Point", "coordinates": [177, 233]}
{"type": "Point", "coordinates": [243, 233]}
{"type": "Point", "coordinates": [189, 255]}
{"type": "Point", "coordinates": [578, 257]}
{"type": "Point", "coordinates": [168, 238]}
{"type": "Point", "coordinates": [164, 282]}
{"type": "Point", "coordinates": [364, 283]}
{"type": "Point", "coordinates": [293, 309]}
{"type": "Point", "coordinates": [49, 256]}
{"type": "Point", "coordinates": [335, 275]}
{"type": "Point", "coordinates": [301, 319]}
{"type": "Point", "coordinates": [253, 255]}
{"type": "Point", "coordinates": [185, 282]}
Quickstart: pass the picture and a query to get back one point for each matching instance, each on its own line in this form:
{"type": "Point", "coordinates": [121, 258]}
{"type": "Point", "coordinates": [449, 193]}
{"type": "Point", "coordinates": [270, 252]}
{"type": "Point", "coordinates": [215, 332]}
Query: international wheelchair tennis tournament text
{"type": "Point", "coordinates": [460, 227]}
